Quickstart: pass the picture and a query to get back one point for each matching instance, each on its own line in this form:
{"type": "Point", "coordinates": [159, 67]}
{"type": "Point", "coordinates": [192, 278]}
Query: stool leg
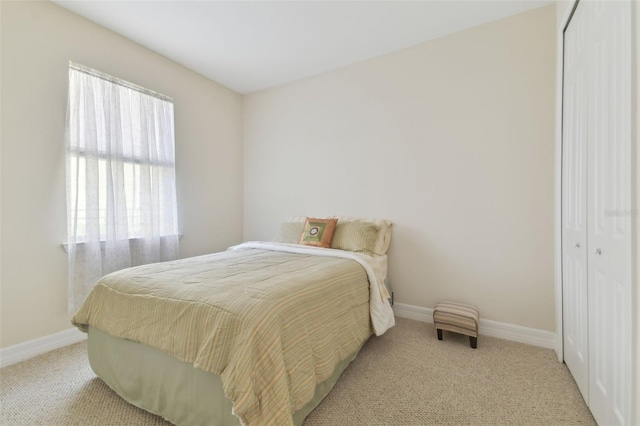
{"type": "Point", "coordinates": [473, 341]}
{"type": "Point", "coordinates": [439, 333]}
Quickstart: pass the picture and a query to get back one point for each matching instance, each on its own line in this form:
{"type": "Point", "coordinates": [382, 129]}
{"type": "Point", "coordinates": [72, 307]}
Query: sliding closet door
{"type": "Point", "coordinates": [574, 203]}
{"type": "Point", "coordinates": [609, 211]}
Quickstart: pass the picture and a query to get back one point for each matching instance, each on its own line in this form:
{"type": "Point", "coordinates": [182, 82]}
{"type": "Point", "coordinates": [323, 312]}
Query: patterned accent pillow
{"type": "Point", "coordinates": [318, 232]}
{"type": "Point", "coordinates": [355, 236]}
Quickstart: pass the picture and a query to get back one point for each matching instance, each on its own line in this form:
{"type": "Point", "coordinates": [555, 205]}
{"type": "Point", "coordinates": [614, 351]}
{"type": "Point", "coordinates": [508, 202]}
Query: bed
{"type": "Point", "coordinates": [255, 335]}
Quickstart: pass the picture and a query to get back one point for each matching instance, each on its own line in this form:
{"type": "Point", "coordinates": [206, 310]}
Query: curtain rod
{"type": "Point", "coordinates": [95, 73]}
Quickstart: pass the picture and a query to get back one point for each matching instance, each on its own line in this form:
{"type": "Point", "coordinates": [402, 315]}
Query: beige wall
{"type": "Point", "coordinates": [452, 140]}
{"type": "Point", "coordinates": [38, 39]}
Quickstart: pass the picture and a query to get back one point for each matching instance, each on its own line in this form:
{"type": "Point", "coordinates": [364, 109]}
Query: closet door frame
{"type": "Point", "coordinates": [562, 22]}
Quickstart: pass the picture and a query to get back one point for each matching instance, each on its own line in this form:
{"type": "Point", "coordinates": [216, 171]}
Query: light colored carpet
{"type": "Point", "coordinates": [405, 377]}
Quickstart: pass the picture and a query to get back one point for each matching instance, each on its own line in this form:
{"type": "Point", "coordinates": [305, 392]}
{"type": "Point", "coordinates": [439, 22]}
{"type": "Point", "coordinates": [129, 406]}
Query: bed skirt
{"type": "Point", "coordinates": [175, 390]}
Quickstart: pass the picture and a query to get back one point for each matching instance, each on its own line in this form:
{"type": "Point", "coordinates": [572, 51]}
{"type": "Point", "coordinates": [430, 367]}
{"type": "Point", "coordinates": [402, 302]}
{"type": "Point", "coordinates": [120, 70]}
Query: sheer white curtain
{"type": "Point", "coordinates": [121, 191]}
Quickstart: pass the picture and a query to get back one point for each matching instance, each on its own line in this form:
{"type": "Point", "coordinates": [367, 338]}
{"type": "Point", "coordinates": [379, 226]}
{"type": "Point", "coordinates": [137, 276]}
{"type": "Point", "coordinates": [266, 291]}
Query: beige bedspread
{"type": "Point", "coordinates": [271, 324]}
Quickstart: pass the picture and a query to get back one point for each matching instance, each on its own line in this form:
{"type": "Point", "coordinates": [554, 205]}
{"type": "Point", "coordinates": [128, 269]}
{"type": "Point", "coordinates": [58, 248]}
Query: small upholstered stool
{"type": "Point", "coordinates": [459, 318]}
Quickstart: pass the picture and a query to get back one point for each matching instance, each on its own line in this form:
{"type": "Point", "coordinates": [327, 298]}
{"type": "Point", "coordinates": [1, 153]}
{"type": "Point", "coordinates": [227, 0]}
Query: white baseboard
{"type": "Point", "coordinates": [22, 351]}
{"type": "Point", "coordinates": [516, 333]}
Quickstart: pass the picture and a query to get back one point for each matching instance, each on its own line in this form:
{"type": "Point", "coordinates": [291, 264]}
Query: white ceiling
{"type": "Point", "coordinates": [253, 45]}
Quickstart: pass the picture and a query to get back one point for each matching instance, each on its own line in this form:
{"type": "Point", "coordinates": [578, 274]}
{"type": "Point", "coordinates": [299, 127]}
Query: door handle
{"type": "Point", "coordinates": [598, 252]}
{"type": "Point", "coordinates": [576, 245]}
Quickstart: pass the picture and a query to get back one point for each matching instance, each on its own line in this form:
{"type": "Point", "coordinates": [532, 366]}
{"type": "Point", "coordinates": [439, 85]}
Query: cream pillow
{"type": "Point", "coordinates": [384, 234]}
{"type": "Point", "coordinates": [289, 232]}
{"type": "Point", "coordinates": [355, 236]}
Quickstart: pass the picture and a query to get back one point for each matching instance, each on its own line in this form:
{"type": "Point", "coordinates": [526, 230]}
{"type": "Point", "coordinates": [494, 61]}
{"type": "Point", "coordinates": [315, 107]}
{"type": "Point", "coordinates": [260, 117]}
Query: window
{"type": "Point", "coordinates": [121, 191]}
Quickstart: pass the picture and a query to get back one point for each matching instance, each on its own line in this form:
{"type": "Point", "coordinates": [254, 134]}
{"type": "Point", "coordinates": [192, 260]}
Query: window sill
{"type": "Point", "coordinates": [65, 246]}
